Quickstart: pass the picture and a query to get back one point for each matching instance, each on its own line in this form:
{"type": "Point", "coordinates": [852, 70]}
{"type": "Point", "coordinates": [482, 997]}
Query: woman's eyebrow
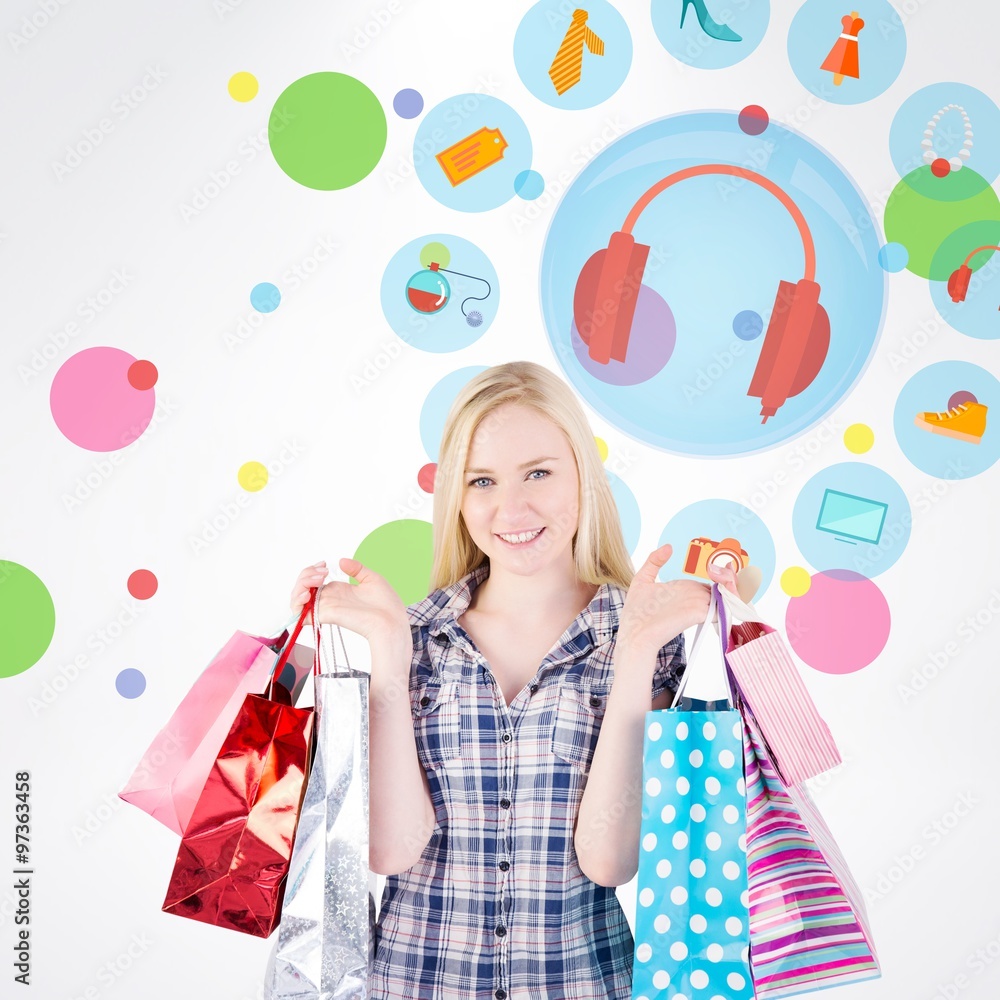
{"type": "Point", "coordinates": [523, 465]}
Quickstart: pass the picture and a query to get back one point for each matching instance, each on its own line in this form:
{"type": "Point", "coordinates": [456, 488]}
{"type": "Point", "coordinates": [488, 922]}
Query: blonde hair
{"type": "Point", "coordinates": [598, 546]}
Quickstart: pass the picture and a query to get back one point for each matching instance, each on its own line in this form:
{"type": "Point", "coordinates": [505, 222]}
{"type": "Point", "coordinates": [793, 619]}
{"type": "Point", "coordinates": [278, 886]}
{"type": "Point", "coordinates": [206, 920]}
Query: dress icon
{"type": "Point", "coordinates": [843, 57]}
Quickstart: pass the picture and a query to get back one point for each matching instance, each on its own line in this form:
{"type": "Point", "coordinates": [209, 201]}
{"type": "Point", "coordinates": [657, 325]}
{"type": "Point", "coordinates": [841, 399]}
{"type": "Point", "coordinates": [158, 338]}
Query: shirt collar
{"type": "Point", "coordinates": [441, 607]}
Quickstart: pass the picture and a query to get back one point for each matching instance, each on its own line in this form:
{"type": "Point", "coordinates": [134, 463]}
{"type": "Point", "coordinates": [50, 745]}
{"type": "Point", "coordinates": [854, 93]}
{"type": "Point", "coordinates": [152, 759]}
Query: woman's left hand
{"type": "Point", "coordinates": [656, 612]}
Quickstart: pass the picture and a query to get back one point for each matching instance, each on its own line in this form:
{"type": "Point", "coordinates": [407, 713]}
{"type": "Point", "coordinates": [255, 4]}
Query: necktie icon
{"type": "Point", "coordinates": [568, 63]}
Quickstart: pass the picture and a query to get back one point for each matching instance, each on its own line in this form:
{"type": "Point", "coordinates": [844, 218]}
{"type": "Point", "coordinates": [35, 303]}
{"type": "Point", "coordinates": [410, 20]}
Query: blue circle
{"type": "Point", "coordinates": [852, 516]}
{"type": "Point", "coordinates": [483, 145]}
{"type": "Point", "coordinates": [815, 32]}
{"type": "Point", "coordinates": [893, 257]}
{"type": "Point", "coordinates": [434, 412]}
{"type": "Point", "coordinates": [714, 520]}
{"type": "Point", "coordinates": [408, 103]}
{"type": "Point", "coordinates": [748, 325]}
{"type": "Point", "coordinates": [529, 184]}
{"type": "Point", "coordinates": [476, 288]}
{"type": "Point", "coordinates": [679, 27]}
{"type": "Point", "coordinates": [907, 130]}
{"type": "Point", "coordinates": [540, 36]}
{"type": "Point", "coordinates": [929, 390]}
{"type": "Point", "coordinates": [628, 511]}
{"type": "Point", "coordinates": [718, 245]}
{"type": "Point", "coordinates": [130, 683]}
{"type": "Point", "coordinates": [265, 297]}
{"type": "Point", "coordinates": [978, 315]}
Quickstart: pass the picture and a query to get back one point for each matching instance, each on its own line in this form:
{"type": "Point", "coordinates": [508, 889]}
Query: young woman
{"type": "Point", "coordinates": [508, 708]}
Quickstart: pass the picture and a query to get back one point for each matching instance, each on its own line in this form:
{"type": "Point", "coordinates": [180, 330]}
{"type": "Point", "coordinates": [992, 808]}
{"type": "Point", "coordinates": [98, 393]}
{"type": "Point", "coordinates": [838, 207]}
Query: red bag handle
{"type": "Point", "coordinates": [290, 645]}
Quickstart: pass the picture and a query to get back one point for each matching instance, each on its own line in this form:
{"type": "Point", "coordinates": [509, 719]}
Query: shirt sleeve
{"type": "Point", "coordinates": [670, 663]}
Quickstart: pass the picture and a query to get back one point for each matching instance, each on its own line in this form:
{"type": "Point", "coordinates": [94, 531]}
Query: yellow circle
{"type": "Point", "coordinates": [252, 476]}
{"type": "Point", "coordinates": [602, 448]}
{"type": "Point", "coordinates": [243, 86]}
{"type": "Point", "coordinates": [859, 438]}
{"type": "Point", "coordinates": [796, 581]}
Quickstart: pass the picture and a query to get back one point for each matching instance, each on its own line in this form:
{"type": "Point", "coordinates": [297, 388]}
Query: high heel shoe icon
{"type": "Point", "coordinates": [708, 23]}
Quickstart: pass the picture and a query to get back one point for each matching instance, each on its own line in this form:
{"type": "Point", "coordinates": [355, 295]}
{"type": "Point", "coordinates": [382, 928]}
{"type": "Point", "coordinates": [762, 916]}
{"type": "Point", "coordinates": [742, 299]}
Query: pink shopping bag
{"type": "Point", "coordinates": [800, 743]}
{"type": "Point", "coordinates": [173, 770]}
{"type": "Point", "coordinates": [808, 926]}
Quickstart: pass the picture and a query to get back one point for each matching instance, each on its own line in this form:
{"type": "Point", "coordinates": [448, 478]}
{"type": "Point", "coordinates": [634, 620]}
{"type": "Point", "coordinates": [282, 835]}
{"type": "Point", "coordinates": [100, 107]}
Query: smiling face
{"type": "Point", "coordinates": [521, 481]}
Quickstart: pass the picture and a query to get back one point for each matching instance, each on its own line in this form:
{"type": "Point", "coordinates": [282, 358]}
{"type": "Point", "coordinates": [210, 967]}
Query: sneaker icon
{"type": "Point", "coordinates": [966, 422]}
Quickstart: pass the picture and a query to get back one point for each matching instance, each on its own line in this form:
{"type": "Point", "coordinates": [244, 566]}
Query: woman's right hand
{"type": "Point", "coordinates": [372, 608]}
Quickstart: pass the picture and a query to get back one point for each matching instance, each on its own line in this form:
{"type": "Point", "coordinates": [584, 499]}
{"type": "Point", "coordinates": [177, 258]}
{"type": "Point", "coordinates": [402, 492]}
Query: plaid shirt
{"type": "Point", "coordinates": [497, 906]}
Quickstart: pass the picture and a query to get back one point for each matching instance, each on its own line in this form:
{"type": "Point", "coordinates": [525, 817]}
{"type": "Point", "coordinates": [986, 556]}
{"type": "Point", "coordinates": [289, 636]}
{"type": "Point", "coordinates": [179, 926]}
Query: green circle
{"type": "Point", "coordinates": [940, 218]}
{"type": "Point", "coordinates": [27, 618]}
{"type": "Point", "coordinates": [402, 552]}
{"type": "Point", "coordinates": [435, 253]}
{"type": "Point", "coordinates": [327, 131]}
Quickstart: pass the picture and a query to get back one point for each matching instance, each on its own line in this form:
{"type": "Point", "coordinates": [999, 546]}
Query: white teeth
{"type": "Point", "coordinates": [524, 537]}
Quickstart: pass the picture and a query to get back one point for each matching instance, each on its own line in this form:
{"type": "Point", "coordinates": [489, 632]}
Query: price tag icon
{"type": "Point", "coordinates": [472, 155]}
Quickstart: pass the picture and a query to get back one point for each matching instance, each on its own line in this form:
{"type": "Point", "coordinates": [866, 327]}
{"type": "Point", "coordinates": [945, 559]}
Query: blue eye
{"type": "Point", "coordinates": [472, 482]}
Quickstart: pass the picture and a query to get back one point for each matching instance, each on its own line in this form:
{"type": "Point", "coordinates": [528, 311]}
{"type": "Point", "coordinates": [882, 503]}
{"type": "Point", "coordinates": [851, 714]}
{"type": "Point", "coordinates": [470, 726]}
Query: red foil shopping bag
{"type": "Point", "coordinates": [233, 859]}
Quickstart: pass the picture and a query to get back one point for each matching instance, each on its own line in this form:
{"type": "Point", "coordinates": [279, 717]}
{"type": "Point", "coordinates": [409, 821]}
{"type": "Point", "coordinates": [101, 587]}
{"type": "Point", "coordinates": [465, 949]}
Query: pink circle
{"type": "Point", "coordinates": [962, 396]}
{"type": "Point", "coordinates": [93, 403]}
{"type": "Point", "coordinates": [142, 584]}
{"type": "Point", "coordinates": [753, 119]}
{"type": "Point", "coordinates": [142, 375]}
{"type": "Point", "coordinates": [841, 624]}
{"type": "Point", "coordinates": [425, 477]}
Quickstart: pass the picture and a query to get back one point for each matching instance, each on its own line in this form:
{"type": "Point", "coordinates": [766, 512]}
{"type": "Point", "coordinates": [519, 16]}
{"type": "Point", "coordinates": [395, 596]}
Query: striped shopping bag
{"type": "Point", "coordinates": [799, 742]}
{"type": "Point", "coordinates": [808, 925]}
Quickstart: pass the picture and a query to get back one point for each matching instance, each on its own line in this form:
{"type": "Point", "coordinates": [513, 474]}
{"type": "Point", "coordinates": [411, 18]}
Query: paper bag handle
{"type": "Point", "coordinates": [716, 613]}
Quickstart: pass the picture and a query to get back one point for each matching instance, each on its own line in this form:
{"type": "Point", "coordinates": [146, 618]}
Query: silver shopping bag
{"type": "Point", "coordinates": [326, 937]}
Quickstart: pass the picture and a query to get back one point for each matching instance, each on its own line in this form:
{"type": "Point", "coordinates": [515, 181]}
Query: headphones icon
{"type": "Point", "coordinates": [798, 334]}
{"type": "Point", "coordinates": [958, 283]}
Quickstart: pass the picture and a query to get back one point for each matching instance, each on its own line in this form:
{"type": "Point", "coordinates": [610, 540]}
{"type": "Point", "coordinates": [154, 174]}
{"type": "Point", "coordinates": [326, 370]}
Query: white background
{"type": "Point", "coordinates": [907, 764]}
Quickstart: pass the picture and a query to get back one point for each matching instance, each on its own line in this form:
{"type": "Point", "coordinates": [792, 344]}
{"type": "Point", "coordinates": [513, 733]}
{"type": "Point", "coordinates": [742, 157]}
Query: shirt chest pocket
{"type": "Point", "coordinates": [437, 722]}
{"type": "Point", "coordinates": [578, 717]}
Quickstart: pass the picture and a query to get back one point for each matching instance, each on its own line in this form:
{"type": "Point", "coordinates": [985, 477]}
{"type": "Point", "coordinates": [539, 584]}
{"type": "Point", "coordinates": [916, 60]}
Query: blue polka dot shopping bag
{"type": "Point", "coordinates": [692, 937]}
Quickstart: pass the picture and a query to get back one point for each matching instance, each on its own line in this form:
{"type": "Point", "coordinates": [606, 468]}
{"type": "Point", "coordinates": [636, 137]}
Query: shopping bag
{"type": "Point", "coordinates": [691, 923]}
{"type": "Point", "coordinates": [771, 688]}
{"type": "Point", "coordinates": [233, 859]}
{"type": "Point", "coordinates": [808, 924]}
{"type": "Point", "coordinates": [173, 770]}
{"type": "Point", "coordinates": [325, 941]}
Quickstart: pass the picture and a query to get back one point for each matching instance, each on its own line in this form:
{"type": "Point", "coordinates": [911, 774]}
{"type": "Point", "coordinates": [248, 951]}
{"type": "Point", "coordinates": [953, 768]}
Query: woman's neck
{"type": "Point", "coordinates": [535, 597]}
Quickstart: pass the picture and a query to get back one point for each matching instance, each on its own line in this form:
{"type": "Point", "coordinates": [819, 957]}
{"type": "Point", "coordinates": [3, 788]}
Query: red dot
{"type": "Point", "coordinates": [962, 396]}
{"type": "Point", "coordinates": [940, 167]}
{"type": "Point", "coordinates": [142, 584]}
{"type": "Point", "coordinates": [142, 375]}
{"type": "Point", "coordinates": [753, 119]}
{"type": "Point", "coordinates": [425, 477]}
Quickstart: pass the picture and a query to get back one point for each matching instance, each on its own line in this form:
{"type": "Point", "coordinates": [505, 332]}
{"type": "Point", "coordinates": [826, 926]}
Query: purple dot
{"type": "Point", "coordinates": [753, 119]}
{"type": "Point", "coordinates": [130, 683]}
{"type": "Point", "coordinates": [962, 396]}
{"type": "Point", "coordinates": [408, 103]}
